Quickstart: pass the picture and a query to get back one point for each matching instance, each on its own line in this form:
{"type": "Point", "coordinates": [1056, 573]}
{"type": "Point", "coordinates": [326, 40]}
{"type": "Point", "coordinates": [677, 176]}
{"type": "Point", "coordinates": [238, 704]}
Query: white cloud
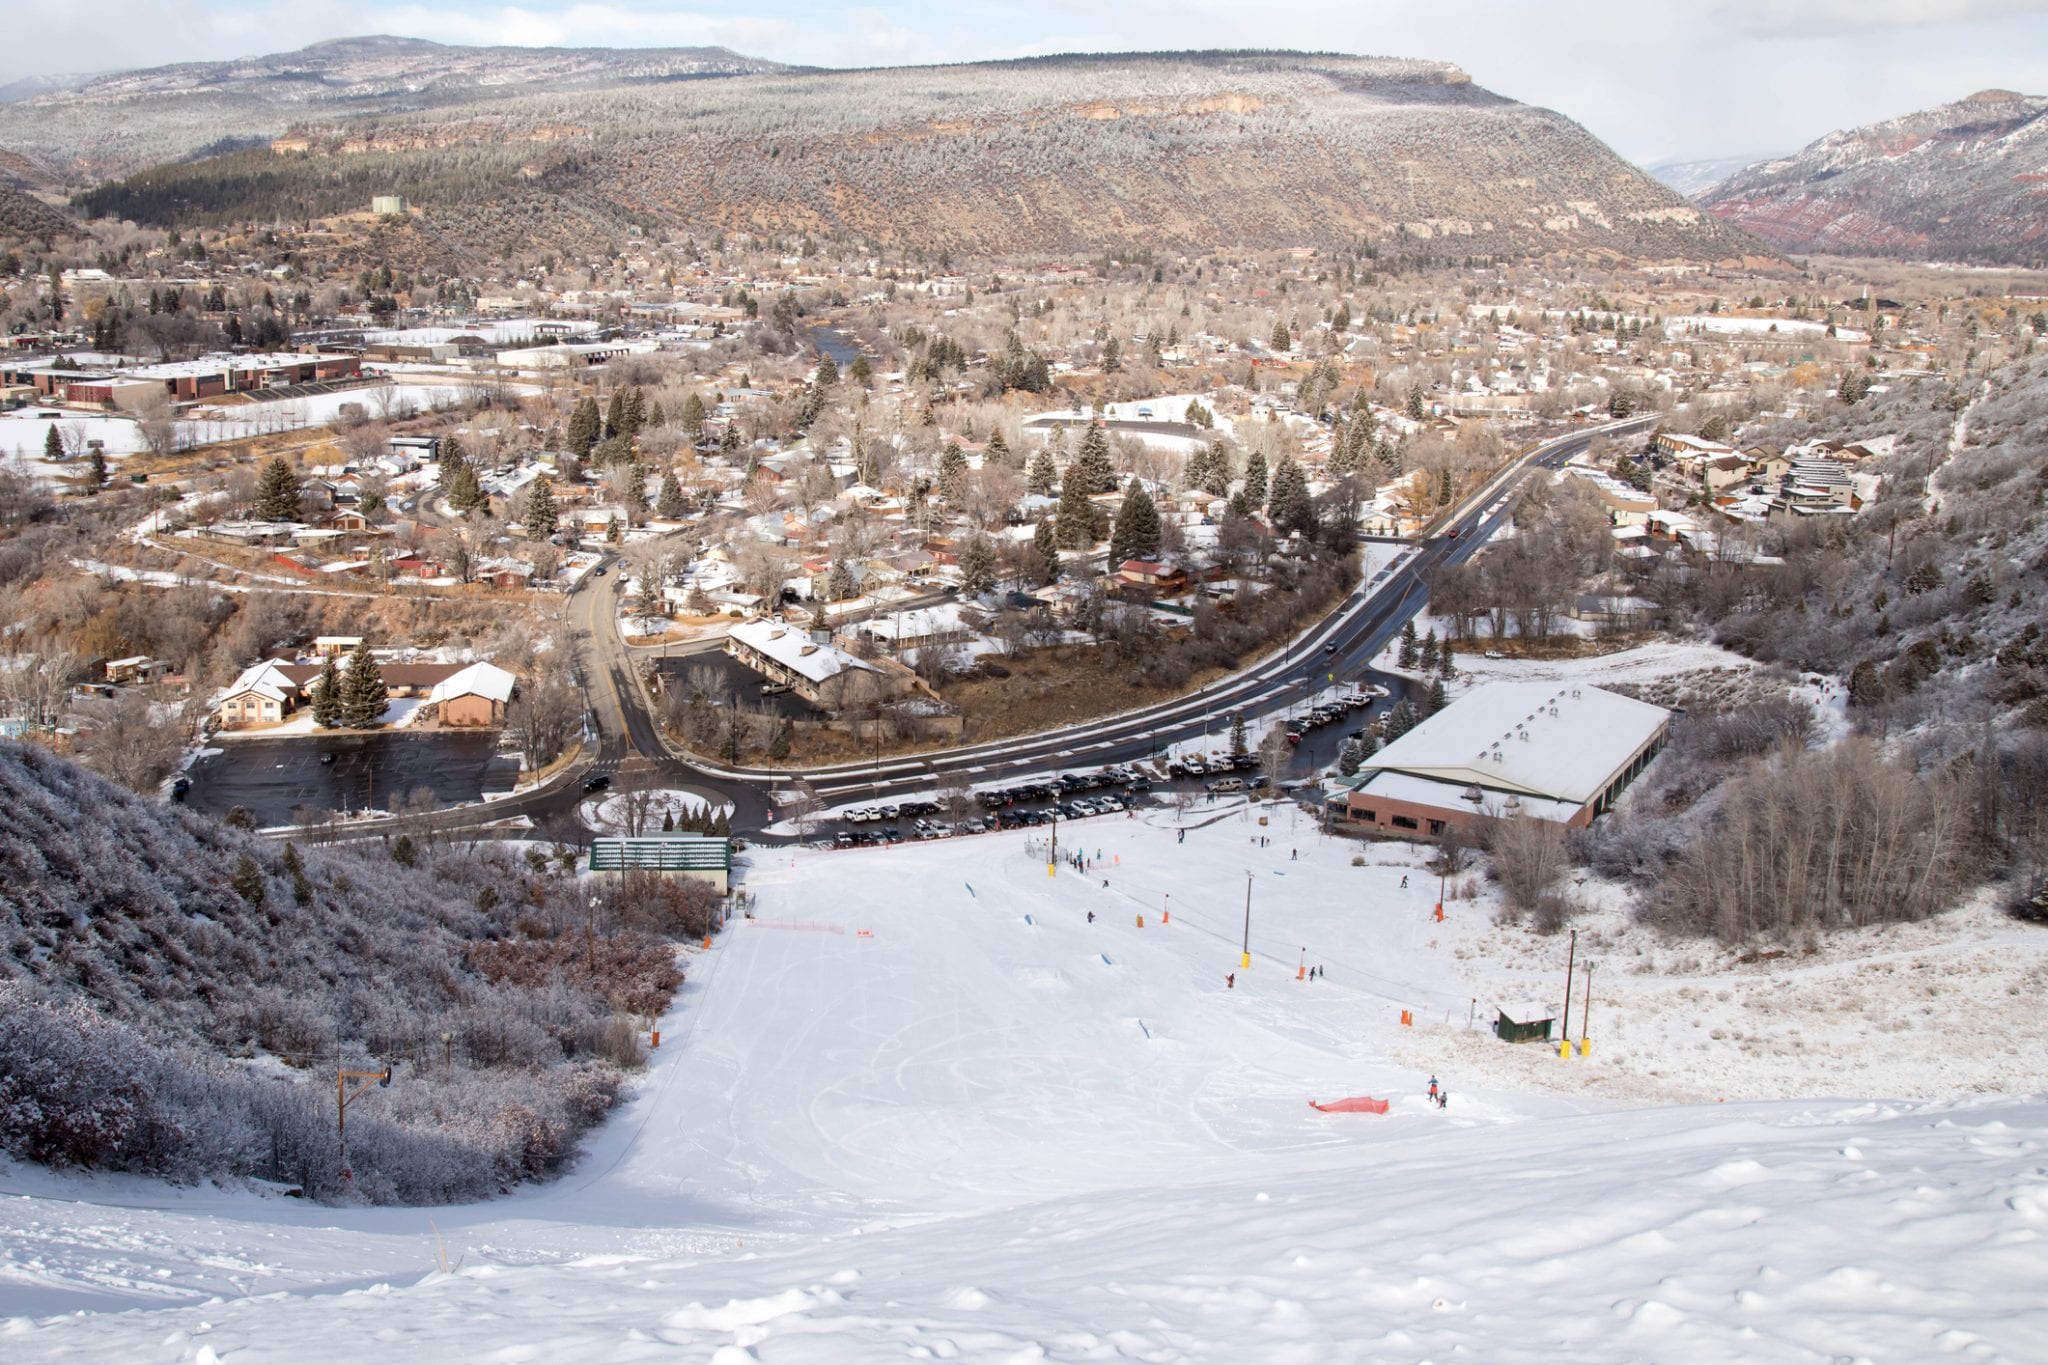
{"type": "Point", "coordinates": [1818, 18]}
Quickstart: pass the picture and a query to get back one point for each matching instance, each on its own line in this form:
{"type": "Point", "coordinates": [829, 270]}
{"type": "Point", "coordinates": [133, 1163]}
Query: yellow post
{"type": "Point", "coordinates": [1049, 871]}
{"type": "Point", "coordinates": [1245, 962]}
{"type": "Point", "coordinates": [1564, 1049]}
{"type": "Point", "coordinates": [1585, 1047]}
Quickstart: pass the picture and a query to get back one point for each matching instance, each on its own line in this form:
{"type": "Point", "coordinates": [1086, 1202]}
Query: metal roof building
{"type": "Point", "coordinates": [701, 857]}
{"type": "Point", "coordinates": [1551, 751]}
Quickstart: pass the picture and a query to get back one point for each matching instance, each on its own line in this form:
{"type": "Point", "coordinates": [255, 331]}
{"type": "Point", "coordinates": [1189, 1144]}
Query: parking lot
{"type": "Point", "coordinates": [273, 778]}
{"type": "Point", "coordinates": [735, 680]}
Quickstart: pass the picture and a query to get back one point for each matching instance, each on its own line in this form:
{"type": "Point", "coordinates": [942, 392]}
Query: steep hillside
{"type": "Point", "coordinates": [1176, 151]}
{"type": "Point", "coordinates": [175, 995]}
{"type": "Point", "coordinates": [1967, 182]}
{"type": "Point", "coordinates": [23, 215]}
{"type": "Point", "coordinates": [118, 123]}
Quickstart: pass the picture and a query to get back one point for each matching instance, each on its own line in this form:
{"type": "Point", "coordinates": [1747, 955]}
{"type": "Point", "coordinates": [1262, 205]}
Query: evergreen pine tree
{"type": "Point", "coordinates": [636, 411]}
{"type": "Point", "coordinates": [1112, 356]}
{"type": "Point", "coordinates": [633, 488]}
{"type": "Point", "coordinates": [861, 372]}
{"type": "Point", "coordinates": [1194, 472]}
{"type": "Point", "coordinates": [615, 415]}
{"type": "Point", "coordinates": [1289, 508]}
{"type": "Point", "coordinates": [998, 452]}
{"type": "Point", "coordinates": [1439, 697]}
{"type": "Point", "coordinates": [669, 502]}
{"type": "Point", "coordinates": [657, 417]}
{"type": "Point", "coordinates": [585, 428]}
{"type": "Point", "coordinates": [53, 444]}
{"type": "Point", "coordinates": [363, 694]}
{"type": "Point", "coordinates": [1217, 482]}
{"type": "Point", "coordinates": [1350, 757]}
{"type": "Point", "coordinates": [1409, 643]}
{"type": "Point", "coordinates": [97, 461]}
{"type": "Point", "coordinates": [1416, 412]}
{"type": "Point", "coordinates": [1426, 661]}
{"type": "Point", "coordinates": [611, 530]}
{"type": "Point", "coordinates": [1136, 534]}
{"type": "Point", "coordinates": [277, 492]}
{"type": "Point", "coordinates": [952, 471]}
{"type": "Point", "coordinates": [1445, 669]}
{"type": "Point", "coordinates": [1042, 474]}
{"type": "Point", "coordinates": [541, 517]}
{"type": "Point", "coordinates": [1281, 340]}
{"type": "Point", "coordinates": [1403, 718]}
{"type": "Point", "coordinates": [465, 494]}
{"type": "Point", "coordinates": [1240, 506]}
{"type": "Point", "coordinates": [692, 420]}
{"type": "Point", "coordinates": [1237, 736]}
{"type": "Point", "coordinates": [1047, 544]}
{"type": "Point", "coordinates": [248, 880]}
{"type": "Point", "coordinates": [839, 582]}
{"type": "Point", "coordinates": [1077, 527]}
{"type": "Point", "coordinates": [977, 566]}
{"type": "Point", "coordinates": [327, 695]}
{"type": "Point", "coordinates": [1255, 479]}
{"type": "Point", "coordinates": [1098, 475]}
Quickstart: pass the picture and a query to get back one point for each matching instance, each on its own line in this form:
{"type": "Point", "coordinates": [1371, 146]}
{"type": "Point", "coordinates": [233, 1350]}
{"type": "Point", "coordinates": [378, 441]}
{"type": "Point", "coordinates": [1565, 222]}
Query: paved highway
{"type": "Point", "coordinates": [1343, 643]}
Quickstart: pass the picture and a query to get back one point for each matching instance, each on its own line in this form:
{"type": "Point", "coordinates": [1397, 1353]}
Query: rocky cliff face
{"type": "Point", "coordinates": [115, 124]}
{"type": "Point", "coordinates": [1967, 181]}
{"type": "Point", "coordinates": [1181, 151]}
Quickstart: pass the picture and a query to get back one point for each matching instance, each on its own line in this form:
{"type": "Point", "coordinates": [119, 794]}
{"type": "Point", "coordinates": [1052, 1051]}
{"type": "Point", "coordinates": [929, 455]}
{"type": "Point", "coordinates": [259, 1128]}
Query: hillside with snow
{"type": "Point", "coordinates": [922, 1106]}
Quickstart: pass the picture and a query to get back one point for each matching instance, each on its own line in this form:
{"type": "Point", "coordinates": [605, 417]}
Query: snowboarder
{"type": "Point", "coordinates": [1091, 917]}
{"type": "Point", "coordinates": [1292, 854]}
{"type": "Point", "coordinates": [1443, 1099]}
{"type": "Point", "coordinates": [1432, 1087]}
{"type": "Point", "coordinates": [1105, 883]}
{"type": "Point", "coordinates": [1183, 837]}
{"type": "Point", "coordinates": [1404, 883]}
{"type": "Point", "coordinates": [1230, 981]}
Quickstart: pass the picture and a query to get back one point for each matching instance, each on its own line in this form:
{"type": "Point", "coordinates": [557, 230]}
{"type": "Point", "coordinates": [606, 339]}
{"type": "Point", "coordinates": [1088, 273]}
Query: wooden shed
{"type": "Point", "coordinates": [1524, 1023]}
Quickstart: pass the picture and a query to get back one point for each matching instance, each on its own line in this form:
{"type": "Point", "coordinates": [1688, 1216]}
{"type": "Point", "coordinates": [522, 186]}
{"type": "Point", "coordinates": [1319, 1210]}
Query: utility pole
{"type": "Point", "coordinates": [1586, 1015]}
{"type": "Point", "coordinates": [1245, 958]}
{"type": "Point", "coordinates": [1564, 1049]}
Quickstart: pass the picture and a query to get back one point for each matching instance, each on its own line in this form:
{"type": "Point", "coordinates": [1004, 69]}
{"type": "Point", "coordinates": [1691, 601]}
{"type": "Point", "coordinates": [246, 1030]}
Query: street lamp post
{"type": "Point", "coordinates": [1244, 960]}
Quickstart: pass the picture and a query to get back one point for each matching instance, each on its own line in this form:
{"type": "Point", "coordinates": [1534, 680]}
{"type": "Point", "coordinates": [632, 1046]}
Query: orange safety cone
{"type": "Point", "coordinates": [1439, 912]}
{"type": "Point", "coordinates": [1407, 1018]}
{"type": "Point", "coordinates": [657, 1038]}
{"type": "Point", "coordinates": [1166, 916]}
{"type": "Point", "coordinates": [1141, 921]}
{"type": "Point", "coordinates": [707, 940]}
{"type": "Point", "coordinates": [1301, 973]}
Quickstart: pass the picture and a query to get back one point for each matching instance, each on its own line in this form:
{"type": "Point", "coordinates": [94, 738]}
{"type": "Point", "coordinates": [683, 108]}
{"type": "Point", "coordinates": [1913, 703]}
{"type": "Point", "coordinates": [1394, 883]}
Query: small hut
{"type": "Point", "coordinates": [1524, 1023]}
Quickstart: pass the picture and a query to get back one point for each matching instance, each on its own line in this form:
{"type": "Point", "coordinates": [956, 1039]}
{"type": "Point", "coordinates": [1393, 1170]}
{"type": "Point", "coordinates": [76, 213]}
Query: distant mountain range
{"type": "Point", "coordinates": [1691, 177]}
{"type": "Point", "coordinates": [1181, 151]}
{"type": "Point", "coordinates": [1963, 182]}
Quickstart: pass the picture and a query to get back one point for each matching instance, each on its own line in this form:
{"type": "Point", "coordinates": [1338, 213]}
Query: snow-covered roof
{"type": "Point", "coordinates": [796, 651]}
{"type": "Point", "coordinates": [1551, 740]}
{"type": "Point", "coordinates": [479, 679]}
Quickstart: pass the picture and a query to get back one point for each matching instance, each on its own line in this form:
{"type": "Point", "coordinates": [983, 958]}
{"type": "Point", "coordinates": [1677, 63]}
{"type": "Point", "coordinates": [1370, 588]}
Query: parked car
{"type": "Point", "coordinates": [1224, 785]}
{"type": "Point", "coordinates": [596, 783]}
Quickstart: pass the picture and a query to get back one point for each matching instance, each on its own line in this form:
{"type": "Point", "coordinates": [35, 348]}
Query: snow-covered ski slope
{"type": "Point", "coordinates": [921, 1108]}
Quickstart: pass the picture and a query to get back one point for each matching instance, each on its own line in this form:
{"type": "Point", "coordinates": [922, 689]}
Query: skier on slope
{"type": "Point", "coordinates": [1432, 1087]}
{"type": "Point", "coordinates": [1230, 981]}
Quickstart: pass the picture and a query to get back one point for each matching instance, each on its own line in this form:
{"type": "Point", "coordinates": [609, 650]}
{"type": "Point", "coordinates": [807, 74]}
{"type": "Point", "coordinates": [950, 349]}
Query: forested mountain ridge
{"type": "Point", "coordinates": [1183, 151]}
{"type": "Point", "coordinates": [1966, 181]}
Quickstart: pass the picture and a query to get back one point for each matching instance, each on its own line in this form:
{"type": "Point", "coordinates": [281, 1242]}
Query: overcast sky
{"type": "Point", "coordinates": [1656, 79]}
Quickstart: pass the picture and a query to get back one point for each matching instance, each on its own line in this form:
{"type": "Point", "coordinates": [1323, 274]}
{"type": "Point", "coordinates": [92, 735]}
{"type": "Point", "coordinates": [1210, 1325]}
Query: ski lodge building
{"type": "Point", "coordinates": [1553, 751]}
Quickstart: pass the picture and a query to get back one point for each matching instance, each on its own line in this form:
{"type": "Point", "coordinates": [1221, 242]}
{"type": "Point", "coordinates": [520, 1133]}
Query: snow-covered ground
{"type": "Point", "coordinates": [922, 1107]}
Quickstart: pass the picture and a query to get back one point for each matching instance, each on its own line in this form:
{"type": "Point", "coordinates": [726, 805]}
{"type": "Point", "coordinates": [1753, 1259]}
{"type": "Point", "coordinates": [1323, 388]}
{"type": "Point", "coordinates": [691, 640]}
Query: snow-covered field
{"type": "Point", "coordinates": [921, 1107]}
